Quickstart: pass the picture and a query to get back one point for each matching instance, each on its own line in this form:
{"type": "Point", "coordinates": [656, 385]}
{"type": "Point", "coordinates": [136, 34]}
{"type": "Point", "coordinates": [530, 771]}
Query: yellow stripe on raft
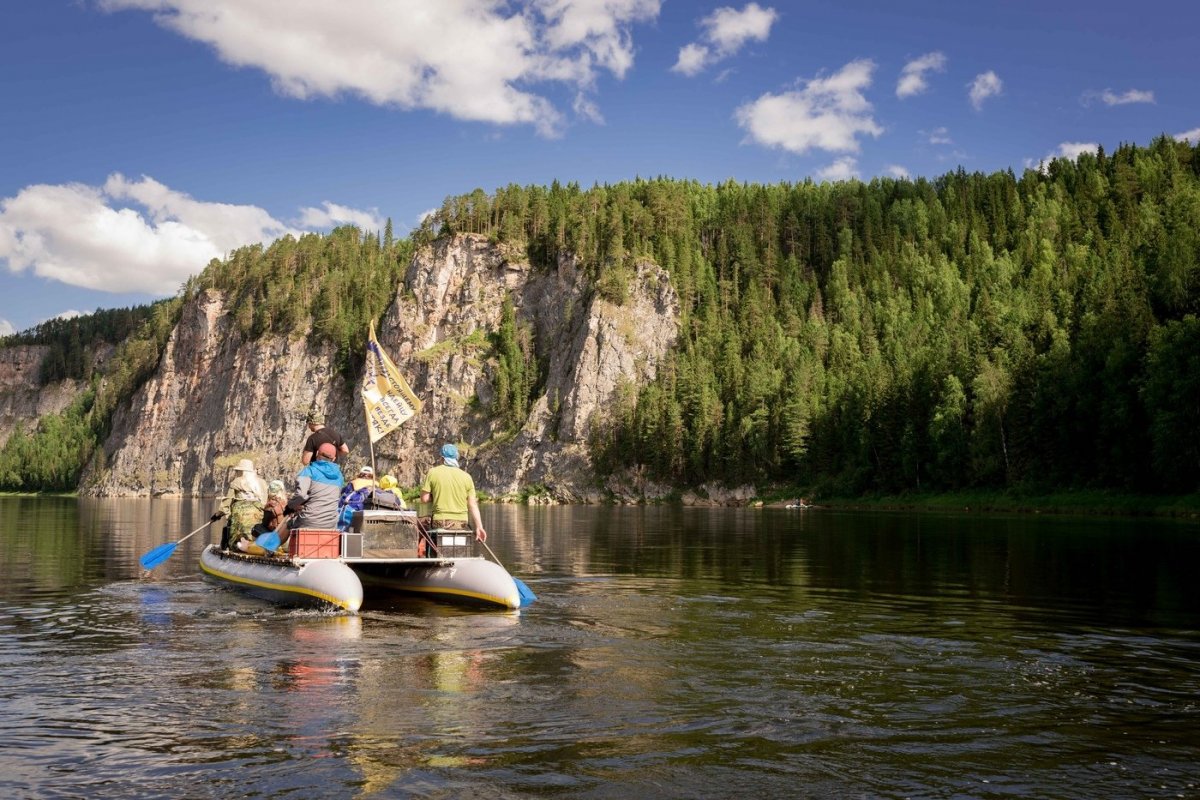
{"type": "Point", "coordinates": [279, 587]}
{"type": "Point", "coordinates": [511, 601]}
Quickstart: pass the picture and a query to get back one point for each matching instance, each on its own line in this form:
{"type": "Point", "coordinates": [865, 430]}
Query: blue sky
{"type": "Point", "coordinates": [141, 138]}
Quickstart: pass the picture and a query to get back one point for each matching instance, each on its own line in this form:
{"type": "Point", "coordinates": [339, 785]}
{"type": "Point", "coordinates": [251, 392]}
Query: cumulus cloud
{"type": "Point", "coordinates": [1192, 136]}
{"type": "Point", "coordinates": [724, 32]}
{"type": "Point", "coordinates": [1111, 98]}
{"type": "Point", "coordinates": [135, 235]}
{"type": "Point", "coordinates": [473, 60]}
{"type": "Point", "coordinates": [897, 171]}
{"type": "Point", "coordinates": [912, 77]}
{"type": "Point", "coordinates": [986, 84]}
{"type": "Point", "coordinates": [6, 328]}
{"type": "Point", "coordinates": [332, 214]}
{"type": "Point", "coordinates": [826, 113]}
{"type": "Point", "coordinates": [842, 169]}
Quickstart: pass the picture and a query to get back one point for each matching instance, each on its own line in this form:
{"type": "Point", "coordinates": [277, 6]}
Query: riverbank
{"type": "Point", "coordinates": [1092, 503]}
{"type": "Point", "coordinates": [1085, 503]}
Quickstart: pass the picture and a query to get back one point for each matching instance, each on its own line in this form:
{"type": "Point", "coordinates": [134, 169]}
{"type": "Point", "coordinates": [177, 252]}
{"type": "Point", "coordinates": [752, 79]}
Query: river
{"type": "Point", "coordinates": [672, 653]}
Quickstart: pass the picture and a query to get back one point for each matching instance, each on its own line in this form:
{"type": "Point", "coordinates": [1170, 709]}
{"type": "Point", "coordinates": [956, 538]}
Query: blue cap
{"type": "Point", "coordinates": [449, 451]}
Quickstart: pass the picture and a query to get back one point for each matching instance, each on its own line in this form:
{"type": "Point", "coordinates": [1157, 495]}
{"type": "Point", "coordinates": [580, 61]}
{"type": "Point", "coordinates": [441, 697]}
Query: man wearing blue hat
{"type": "Point", "coordinates": [452, 493]}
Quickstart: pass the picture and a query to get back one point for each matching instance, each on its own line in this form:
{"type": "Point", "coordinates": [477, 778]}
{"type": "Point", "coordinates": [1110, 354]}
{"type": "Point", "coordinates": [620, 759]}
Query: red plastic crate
{"type": "Point", "coordinates": [313, 543]}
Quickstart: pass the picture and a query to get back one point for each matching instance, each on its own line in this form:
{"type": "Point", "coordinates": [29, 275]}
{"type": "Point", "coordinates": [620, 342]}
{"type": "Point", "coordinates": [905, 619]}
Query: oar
{"type": "Point", "coordinates": [527, 595]}
{"type": "Point", "coordinates": [161, 553]}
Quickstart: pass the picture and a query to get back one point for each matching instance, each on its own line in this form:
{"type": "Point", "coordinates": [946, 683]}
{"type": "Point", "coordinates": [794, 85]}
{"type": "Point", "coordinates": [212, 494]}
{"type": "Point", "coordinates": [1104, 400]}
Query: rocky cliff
{"type": "Point", "coordinates": [22, 400]}
{"type": "Point", "coordinates": [216, 397]}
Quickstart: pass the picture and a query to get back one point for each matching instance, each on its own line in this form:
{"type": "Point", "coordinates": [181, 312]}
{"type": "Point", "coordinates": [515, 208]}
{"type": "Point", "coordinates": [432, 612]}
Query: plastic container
{"type": "Point", "coordinates": [313, 543]}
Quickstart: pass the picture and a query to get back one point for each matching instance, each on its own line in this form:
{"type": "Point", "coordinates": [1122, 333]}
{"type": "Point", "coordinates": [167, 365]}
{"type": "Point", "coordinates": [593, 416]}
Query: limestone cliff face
{"type": "Point", "coordinates": [216, 398]}
{"type": "Point", "coordinates": [22, 401]}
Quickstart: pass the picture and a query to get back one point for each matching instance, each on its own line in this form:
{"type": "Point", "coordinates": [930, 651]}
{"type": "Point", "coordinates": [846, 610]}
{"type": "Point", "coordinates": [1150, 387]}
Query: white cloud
{"type": "Point", "coordinates": [470, 59]}
{"type": "Point", "coordinates": [843, 169]}
{"type": "Point", "coordinates": [912, 77]}
{"type": "Point", "coordinates": [135, 236]}
{"type": "Point", "coordinates": [725, 31]}
{"type": "Point", "coordinates": [940, 136]}
{"type": "Point", "coordinates": [897, 171]}
{"type": "Point", "coordinates": [693, 58]}
{"type": "Point", "coordinates": [986, 84]}
{"type": "Point", "coordinates": [1069, 150]}
{"type": "Point", "coordinates": [1192, 136]}
{"type": "Point", "coordinates": [1074, 150]}
{"type": "Point", "coordinates": [333, 214]}
{"type": "Point", "coordinates": [6, 328]}
{"type": "Point", "coordinates": [826, 114]}
{"type": "Point", "coordinates": [1111, 98]}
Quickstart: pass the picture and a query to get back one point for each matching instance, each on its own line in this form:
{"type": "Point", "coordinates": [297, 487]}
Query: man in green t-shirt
{"type": "Point", "coordinates": [452, 493]}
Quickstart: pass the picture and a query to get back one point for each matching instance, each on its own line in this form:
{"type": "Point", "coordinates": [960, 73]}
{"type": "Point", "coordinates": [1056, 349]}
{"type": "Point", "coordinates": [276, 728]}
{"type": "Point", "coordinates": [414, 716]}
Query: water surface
{"type": "Point", "coordinates": [672, 653]}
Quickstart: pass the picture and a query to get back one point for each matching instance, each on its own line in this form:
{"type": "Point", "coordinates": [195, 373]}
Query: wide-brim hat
{"type": "Point", "coordinates": [245, 465]}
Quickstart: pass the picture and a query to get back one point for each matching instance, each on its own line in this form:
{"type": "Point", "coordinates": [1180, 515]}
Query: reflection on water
{"type": "Point", "coordinates": [672, 653]}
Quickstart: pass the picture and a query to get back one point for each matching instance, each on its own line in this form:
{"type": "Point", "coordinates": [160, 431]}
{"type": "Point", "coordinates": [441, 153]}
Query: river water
{"type": "Point", "coordinates": [691, 653]}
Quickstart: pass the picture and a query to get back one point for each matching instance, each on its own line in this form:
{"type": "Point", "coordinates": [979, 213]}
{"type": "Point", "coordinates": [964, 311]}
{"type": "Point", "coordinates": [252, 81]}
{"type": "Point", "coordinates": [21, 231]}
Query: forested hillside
{"type": "Point", "coordinates": [975, 330]}
{"type": "Point", "coordinates": [970, 331]}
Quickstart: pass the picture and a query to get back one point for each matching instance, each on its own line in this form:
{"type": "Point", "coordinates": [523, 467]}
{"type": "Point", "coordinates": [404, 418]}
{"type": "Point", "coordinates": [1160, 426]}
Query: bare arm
{"type": "Point", "coordinates": [473, 507]}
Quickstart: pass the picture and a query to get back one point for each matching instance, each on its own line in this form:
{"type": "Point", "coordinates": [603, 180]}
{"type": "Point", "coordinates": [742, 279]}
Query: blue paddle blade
{"type": "Point", "coordinates": [526, 594]}
{"type": "Point", "coordinates": [158, 555]}
{"type": "Point", "coordinates": [269, 541]}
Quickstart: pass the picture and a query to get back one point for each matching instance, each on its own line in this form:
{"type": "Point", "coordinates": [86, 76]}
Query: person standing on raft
{"type": "Point", "coordinates": [452, 493]}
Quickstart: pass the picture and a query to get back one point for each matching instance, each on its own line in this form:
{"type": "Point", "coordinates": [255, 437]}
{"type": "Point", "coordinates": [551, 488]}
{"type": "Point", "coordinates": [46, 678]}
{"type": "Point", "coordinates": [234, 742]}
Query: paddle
{"type": "Point", "coordinates": [526, 594]}
{"type": "Point", "coordinates": [161, 553]}
{"type": "Point", "coordinates": [269, 541]}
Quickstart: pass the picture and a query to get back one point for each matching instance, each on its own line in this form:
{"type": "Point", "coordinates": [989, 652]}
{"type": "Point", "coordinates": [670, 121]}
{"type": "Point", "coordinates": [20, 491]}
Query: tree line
{"type": "Point", "coordinates": [970, 331]}
{"type": "Point", "coordinates": [974, 330]}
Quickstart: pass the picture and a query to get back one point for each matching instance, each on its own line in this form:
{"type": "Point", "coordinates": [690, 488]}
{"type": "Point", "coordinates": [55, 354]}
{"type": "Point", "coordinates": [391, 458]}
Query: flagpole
{"type": "Point", "coordinates": [371, 445]}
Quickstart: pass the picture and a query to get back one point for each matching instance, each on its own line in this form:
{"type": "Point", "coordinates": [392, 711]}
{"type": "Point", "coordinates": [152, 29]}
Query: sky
{"type": "Point", "coordinates": [139, 139]}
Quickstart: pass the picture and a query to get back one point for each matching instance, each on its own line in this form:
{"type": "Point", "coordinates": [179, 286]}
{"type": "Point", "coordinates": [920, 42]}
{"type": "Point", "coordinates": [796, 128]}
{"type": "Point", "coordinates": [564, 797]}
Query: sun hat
{"type": "Point", "coordinates": [245, 465]}
{"type": "Point", "coordinates": [327, 450]}
{"type": "Point", "coordinates": [449, 451]}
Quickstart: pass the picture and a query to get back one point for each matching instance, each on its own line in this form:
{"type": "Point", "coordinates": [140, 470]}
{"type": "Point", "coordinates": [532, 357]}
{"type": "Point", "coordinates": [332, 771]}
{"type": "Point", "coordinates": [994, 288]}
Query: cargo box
{"type": "Point", "coordinates": [313, 543]}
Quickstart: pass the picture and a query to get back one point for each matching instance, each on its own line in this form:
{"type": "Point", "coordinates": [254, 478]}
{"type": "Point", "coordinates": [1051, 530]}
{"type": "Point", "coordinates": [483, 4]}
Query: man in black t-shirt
{"type": "Point", "coordinates": [318, 435]}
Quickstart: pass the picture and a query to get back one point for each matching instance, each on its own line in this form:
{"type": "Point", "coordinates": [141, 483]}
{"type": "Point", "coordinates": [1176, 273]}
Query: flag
{"type": "Point", "coordinates": [388, 399]}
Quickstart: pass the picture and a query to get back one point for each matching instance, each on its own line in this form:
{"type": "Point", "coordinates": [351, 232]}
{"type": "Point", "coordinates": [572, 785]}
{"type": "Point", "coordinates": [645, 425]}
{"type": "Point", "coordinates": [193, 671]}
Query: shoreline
{"type": "Point", "coordinates": [1091, 503]}
{"type": "Point", "coordinates": [1067, 503]}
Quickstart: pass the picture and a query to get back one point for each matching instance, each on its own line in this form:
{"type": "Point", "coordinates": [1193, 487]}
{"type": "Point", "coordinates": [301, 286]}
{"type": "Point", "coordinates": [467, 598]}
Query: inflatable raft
{"type": "Point", "coordinates": [377, 557]}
